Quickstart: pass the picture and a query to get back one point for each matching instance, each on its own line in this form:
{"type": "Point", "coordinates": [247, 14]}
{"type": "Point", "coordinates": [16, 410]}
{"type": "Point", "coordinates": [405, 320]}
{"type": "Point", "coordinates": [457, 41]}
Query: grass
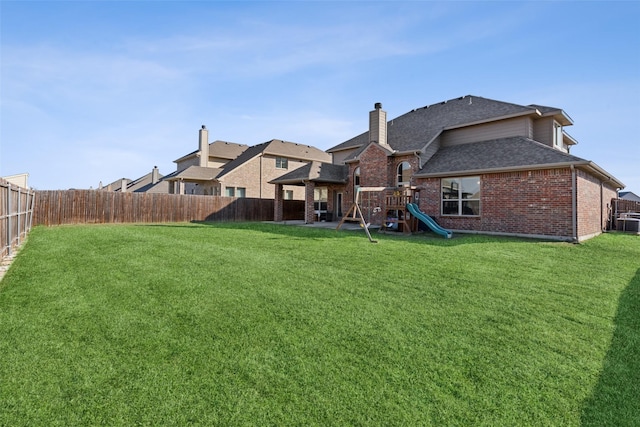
{"type": "Point", "coordinates": [260, 324]}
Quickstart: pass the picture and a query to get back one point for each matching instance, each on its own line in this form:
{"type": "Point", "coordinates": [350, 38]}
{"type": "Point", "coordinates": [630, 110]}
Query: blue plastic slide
{"type": "Point", "coordinates": [416, 212]}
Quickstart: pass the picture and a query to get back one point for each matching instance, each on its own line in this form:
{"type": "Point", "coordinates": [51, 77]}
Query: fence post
{"type": "Point", "coordinates": [9, 225]}
{"type": "Point", "coordinates": [19, 212]}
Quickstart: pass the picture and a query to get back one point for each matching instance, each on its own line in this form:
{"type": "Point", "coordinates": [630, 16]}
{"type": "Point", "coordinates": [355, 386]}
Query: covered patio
{"type": "Point", "coordinates": [324, 190]}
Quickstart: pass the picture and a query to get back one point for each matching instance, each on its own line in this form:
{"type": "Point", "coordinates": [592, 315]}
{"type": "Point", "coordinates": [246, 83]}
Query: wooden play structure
{"type": "Point", "coordinates": [354, 214]}
{"type": "Point", "coordinates": [396, 208]}
{"type": "Point", "coordinates": [397, 218]}
{"type": "Point", "coordinates": [387, 205]}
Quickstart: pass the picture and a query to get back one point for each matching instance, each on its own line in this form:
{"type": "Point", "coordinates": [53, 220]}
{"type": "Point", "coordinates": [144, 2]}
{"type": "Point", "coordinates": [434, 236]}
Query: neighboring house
{"type": "Point", "coordinates": [234, 170]}
{"type": "Point", "coordinates": [473, 164]}
{"type": "Point", "coordinates": [20, 180]}
{"type": "Point", "coordinates": [629, 195]}
{"type": "Point", "coordinates": [149, 183]}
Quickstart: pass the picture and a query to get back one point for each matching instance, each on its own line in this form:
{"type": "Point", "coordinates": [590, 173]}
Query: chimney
{"type": "Point", "coordinates": [204, 147]}
{"type": "Point", "coordinates": [378, 125]}
{"type": "Point", "coordinates": [155, 175]}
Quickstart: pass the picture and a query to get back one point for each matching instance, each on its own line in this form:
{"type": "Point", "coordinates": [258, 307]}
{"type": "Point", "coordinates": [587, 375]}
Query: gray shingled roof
{"type": "Point", "coordinates": [218, 148]}
{"type": "Point", "coordinates": [277, 147]}
{"type": "Point", "coordinates": [505, 153]}
{"type": "Point", "coordinates": [316, 172]}
{"type": "Point", "coordinates": [413, 130]}
{"type": "Point", "coordinates": [226, 150]}
{"type": "Point", "coordinates": [194, 173]}
{"type": "Point", "coordinates": [293, 150]}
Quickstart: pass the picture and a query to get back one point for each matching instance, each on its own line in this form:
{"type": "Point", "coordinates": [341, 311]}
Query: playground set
{"type": "Point", "coordinates": [395, 209]}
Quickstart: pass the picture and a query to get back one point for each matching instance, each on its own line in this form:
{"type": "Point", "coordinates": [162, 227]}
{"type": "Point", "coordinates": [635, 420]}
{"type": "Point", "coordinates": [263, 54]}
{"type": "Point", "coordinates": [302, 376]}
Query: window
{"type": "Point", "coordinates": [557, 135]}
{"type": "Point", "coordinates": [230, 192]}
{"type": "Point", "coordinates": [320, 196]}
{"type": "Point", "coordinates": [356, 182]}
{"type": "Point", "coordinates": [282, 163]}
{"type": "Point", "coordinates": [461, 196]}
{"type": "Point", "coordinates": [241, 192]}
{"type": "Point", "coordinates": [404, 174]}
{"type": "Point", "coordinates": [288, 194]}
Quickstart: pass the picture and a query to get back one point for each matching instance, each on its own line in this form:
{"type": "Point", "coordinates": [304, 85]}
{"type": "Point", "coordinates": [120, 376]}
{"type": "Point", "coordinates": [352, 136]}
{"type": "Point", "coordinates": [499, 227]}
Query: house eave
{"type": "Point", "coordinates": [586, 165]}
{"type": "Point", "coordinates": [351, 147]}
{"type": "Point", "coordinates": [469, 172]}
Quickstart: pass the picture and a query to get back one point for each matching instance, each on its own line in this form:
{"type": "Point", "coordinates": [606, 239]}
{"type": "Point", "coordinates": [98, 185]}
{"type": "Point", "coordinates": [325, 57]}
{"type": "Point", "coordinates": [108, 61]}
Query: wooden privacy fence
{"type": "Point", "coordinates": [16, 215]}
{"type": "Point", "coordinates": [621, 206]}
{"type": "Point", "coordinates": [99, 207]}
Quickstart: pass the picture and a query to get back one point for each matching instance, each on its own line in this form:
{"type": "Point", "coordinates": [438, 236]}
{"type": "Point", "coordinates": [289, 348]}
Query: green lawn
{"type": "Point", "coordinates": [261, 324]}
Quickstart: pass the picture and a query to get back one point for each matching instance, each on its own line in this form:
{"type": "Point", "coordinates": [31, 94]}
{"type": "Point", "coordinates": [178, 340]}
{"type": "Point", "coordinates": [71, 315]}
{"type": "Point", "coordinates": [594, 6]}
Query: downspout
{"type": "Point", "coordinates": [574, 205]}
{"type": "Point", "coordinates": [306, 201]}
{"type": "Point", "coordinates": [602, 228]}
{"type": "Point", "coordinates": [260, 181]}
{"type": "Point", "coordinates": [417, 154]}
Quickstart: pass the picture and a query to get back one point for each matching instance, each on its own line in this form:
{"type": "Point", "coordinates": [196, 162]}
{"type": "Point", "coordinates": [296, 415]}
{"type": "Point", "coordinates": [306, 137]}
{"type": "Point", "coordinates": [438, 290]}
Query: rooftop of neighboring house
{"type": "Point", "coordinates": [414, 130]}
{"type": "Point", "coordinates": [629, 195]}
{"type": "Point", "coordinates": [194, 173]}
{"type": "Point", "coordinates": [278, 148]}
{"type": "Point", "coordinates": [143, 184]}
{"type": "Point", "coordinates": [219, 149]}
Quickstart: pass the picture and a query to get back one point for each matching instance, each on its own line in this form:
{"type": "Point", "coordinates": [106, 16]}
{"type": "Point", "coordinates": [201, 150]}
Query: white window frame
{"type": "Point", "coordinates": [458, 197]}
{"type": "Point", "coordinates": [282, 163]}
{"type": "Point", "coordinates": [399, 174]}
{"type": "Point", "coordinates": [558, 140]}
{"type": "Point", "coordinates": [230, 192]}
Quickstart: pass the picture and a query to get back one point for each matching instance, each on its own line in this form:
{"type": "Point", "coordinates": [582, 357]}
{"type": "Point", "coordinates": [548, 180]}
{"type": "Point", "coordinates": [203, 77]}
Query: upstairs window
{"type": "Point", "coordinates": [282, 163]}
{"type": "Point", "coordinates": [230, 192]}
{"type": "Point", "coordinates": [461, 196]}
{"type": "Point", "coordinates": [557, 136]}
{"type": "Point", "coordinates": [403, 178]}
{"type": "Point", "coordinates": [241, 192]}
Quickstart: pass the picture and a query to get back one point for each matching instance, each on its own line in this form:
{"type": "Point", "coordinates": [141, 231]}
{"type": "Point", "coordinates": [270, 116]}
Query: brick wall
{"type": "Point", "coordinates": [525, 202]}
{"type": "Point", "coordinates": [374, 172]}
{"type": "Point", "coordinates": [249, 177]}
{"type": "Point", "coordinates": [593, 204]}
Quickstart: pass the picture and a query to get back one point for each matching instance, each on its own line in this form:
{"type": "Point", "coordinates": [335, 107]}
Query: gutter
{"type": "Point", "coordinates": [501, 170]}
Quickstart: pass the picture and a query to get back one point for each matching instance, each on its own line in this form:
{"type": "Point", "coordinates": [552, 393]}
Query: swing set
{"type": "Point", "coordinates": [354, 214]}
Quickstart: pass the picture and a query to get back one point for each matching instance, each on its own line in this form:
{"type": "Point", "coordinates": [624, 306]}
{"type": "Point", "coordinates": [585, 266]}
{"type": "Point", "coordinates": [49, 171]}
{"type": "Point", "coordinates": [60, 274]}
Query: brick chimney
{"type": "Point", "coordinates": [155, 175]}
{"type": "Point", "coordinates": [378, 125]}
{"type": "Point", "coordinates": [204, 147]}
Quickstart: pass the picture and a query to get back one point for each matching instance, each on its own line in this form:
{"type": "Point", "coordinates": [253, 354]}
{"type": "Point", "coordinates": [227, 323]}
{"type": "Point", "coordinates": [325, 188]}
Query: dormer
{"type": "Point", "coordinates": [549, 128]}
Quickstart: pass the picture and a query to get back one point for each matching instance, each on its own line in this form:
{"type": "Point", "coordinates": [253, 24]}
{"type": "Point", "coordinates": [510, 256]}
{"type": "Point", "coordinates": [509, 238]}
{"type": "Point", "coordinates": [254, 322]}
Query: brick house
{"type": "Point", "coordinates": [228, 169]}
{"type": "Point", "coordinates": [472, 164]}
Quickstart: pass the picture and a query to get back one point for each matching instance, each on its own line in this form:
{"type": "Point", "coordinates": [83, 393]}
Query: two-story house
{"type": "Point", "coordinates": [235, 170]}
{"type": "Point", "coordinates": [471, 163]}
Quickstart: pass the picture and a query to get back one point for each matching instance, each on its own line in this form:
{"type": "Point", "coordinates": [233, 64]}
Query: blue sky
{"type": "Point", "coordinates": [95, 91]}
